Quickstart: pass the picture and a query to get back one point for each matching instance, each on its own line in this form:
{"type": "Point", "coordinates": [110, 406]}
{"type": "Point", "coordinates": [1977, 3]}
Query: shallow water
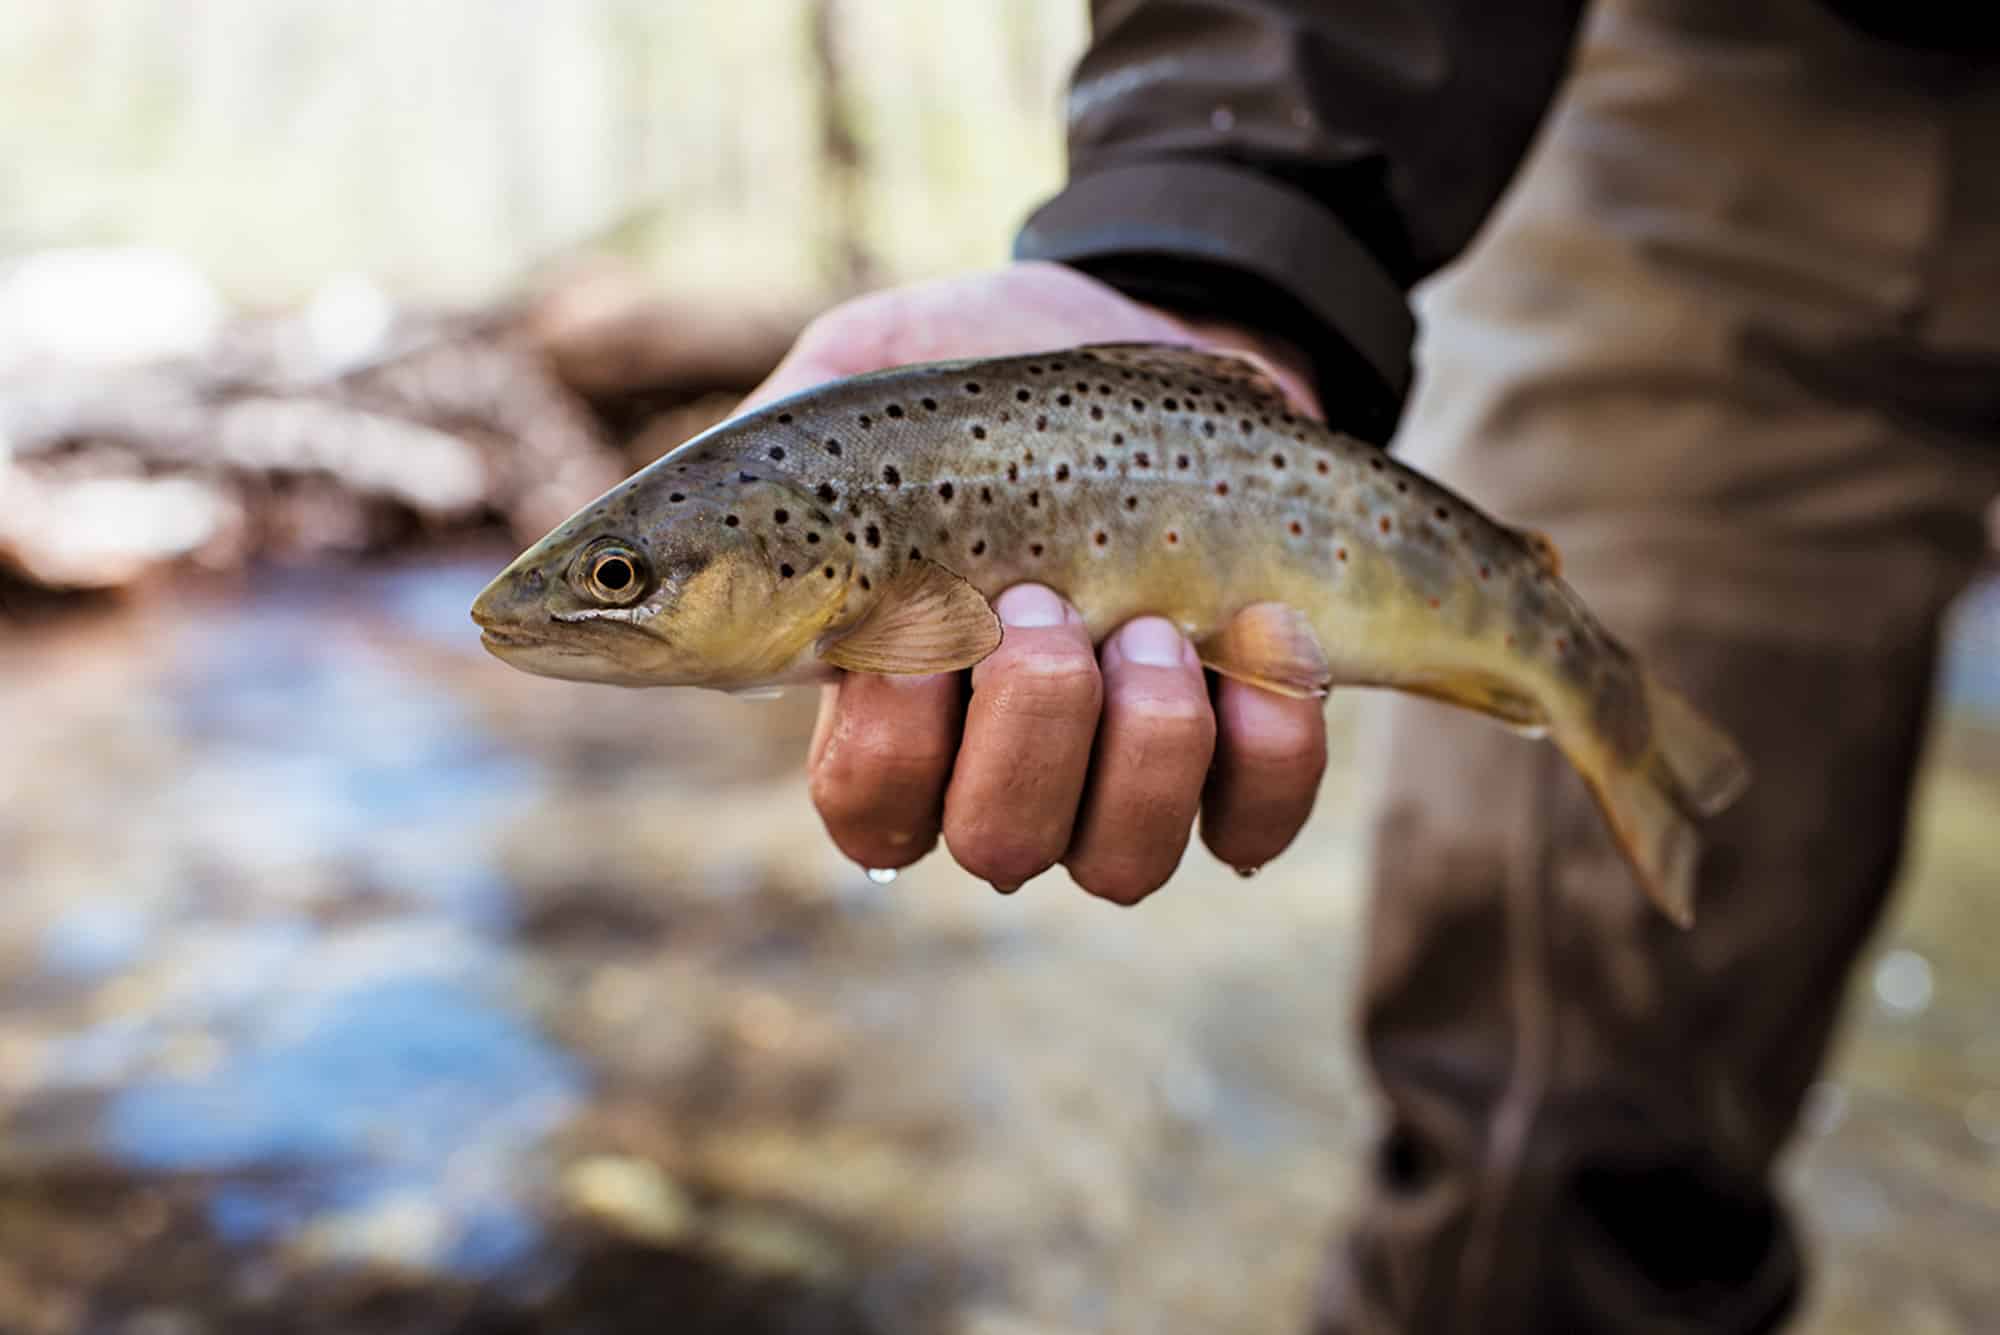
{"type": "Point", "coordinates": [352, 974]}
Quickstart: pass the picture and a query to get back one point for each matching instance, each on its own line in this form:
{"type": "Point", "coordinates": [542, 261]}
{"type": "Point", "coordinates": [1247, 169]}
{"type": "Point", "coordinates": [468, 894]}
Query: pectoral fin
{"type": "Point", "coordinates": [929, 620]}
{"type": "Point", "coordinates": [1272, 646]}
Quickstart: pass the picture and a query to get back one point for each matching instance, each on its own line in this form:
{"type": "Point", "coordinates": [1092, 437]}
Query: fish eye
{"type": "Point", "coordinates": [615, 575]}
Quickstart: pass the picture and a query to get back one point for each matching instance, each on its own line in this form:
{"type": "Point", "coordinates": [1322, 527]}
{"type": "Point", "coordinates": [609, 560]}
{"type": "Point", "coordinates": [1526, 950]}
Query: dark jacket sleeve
{"type": "Point", "coordinates": [1299, 164]}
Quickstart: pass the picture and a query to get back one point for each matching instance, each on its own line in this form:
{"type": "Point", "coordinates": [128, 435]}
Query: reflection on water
{"type": "Point", "coordinates": [339, 951]}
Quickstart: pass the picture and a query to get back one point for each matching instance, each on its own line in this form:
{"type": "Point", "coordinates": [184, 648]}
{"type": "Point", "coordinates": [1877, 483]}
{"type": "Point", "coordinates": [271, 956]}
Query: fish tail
{"type": "Point", "coordinates": [1708, 770]}
{"type": "Point", "coordinates": [1692, 770]}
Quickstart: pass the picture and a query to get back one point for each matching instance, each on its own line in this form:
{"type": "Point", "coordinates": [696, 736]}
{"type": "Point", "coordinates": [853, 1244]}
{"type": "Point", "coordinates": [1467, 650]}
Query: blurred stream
{"type": "Point", "coordinates": [355, 983]}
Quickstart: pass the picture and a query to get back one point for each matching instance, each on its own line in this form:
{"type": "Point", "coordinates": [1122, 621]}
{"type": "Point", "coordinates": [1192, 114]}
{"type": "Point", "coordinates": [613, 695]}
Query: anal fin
{"type": "Point", "coordinates": [1487, 695]}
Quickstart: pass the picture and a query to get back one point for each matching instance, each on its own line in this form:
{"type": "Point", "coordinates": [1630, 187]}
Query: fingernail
{"type": "Point", "coordinates": [1152, 641]}
{"type": "Point", "coordinates": [1030, 605]}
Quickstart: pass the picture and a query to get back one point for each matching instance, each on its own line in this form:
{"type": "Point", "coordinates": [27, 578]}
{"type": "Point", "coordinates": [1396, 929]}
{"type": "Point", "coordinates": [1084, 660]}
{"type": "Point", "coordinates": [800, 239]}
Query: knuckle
{"type": "Point", "coordinates": [1048, 684]}
{"type": "Point", "coordinates": [1183, 714]}
{"type": "Point", "coordinates": [1293, 744]}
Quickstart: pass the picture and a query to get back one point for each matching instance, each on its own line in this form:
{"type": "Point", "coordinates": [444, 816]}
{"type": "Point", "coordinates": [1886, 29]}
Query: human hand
{"type": "Point", "coordinates": [1061, 753]}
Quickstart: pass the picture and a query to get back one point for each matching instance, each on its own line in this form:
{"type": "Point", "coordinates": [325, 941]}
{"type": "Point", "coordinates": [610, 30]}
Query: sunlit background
{"type": "Point", "coordinates": [354, 983]}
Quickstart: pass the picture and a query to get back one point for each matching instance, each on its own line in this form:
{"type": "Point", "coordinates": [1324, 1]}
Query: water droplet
{"type": "Point", "coordinates": [882, 875]}
{"type": "Point", "coordinates": [1247, 872]}
{"type": "Point", "coordinates": [1903, 982]}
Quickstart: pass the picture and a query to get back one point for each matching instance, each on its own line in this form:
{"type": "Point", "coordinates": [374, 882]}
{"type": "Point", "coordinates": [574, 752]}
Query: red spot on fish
{"type": "Point", "coordinates": [1298, 529]}
{"type": "Point", "coordinates": [1323, 468]}
{"type": "Point", "coordinates": [1386, 525]}
{"type": "Point", "coordinates": [1222, 488]}
{"type": "Point", "coordinates": [1173, 538]}
{"type": "Point", "coordinates": [1486, 572]}
{"type": "Point", "coordinates": [1434, 604]}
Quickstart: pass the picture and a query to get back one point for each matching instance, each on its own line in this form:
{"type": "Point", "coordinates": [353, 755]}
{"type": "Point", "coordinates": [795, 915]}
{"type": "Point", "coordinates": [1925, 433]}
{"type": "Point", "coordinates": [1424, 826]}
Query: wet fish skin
{"type": "Point", "coordinates": [866, 525]}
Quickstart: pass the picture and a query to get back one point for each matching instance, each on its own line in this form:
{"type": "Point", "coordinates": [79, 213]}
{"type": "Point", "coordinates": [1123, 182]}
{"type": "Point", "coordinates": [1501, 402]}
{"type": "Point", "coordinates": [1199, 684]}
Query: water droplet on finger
{"type": "Point", "coordinates": [881, 875]}
{"type": "Point", "coordinates": [1247, 872]}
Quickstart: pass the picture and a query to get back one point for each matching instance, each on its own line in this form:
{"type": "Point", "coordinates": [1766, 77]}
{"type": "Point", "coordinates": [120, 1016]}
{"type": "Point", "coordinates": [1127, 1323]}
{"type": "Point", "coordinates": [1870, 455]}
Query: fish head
{"type": "Point", "coordinates": [640, 590]}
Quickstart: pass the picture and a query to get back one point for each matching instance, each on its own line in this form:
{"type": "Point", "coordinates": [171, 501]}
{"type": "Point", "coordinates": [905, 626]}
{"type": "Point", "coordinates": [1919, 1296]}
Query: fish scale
{"type": "Point", "coordinates": [866, 525]}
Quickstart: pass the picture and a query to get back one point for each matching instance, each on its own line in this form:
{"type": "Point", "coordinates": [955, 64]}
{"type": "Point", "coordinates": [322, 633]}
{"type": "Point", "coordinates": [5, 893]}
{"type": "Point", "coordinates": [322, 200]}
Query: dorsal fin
{"type": "Point", "coordinates": [1171, 359]}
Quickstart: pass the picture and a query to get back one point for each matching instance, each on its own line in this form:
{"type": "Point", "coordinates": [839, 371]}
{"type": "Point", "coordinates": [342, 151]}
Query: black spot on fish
{"type": "Point", "coordinates": [972, 387]}
{"type": "Point", "coordinates": [945, 491]}
{"type": "Point", "coordinates": [1143, 459]}
{"type": "Point", "coordinates": [1035, 549]}
{"type": "Point", "coordinates": [784, 572]}
{"type": "Point", "coordinates": [894, 410]}
{"type": "Point", "coordinates": [777, 454]}
{"type": "Point", "coordinates": [979, 433]}
{"type": "Point", "coordinates": [891, 476]}
{"type": "Point", "coordinates": [827, 493]}
{"type": "Point", "coordinates": [782, 516]}
{"type": "Point", "coordinates": [1022, 396]}
{"type": "Point", "coordinates": [1096, 413]}
{"type": "Point", "coordinates": [1062, 472]}
{"type": "Point", "coordinates": [865, 585]}
{"type": "Point", "coordinates": [930, 406]}
{"type": "Point", "coordinates": [986, 495]}
{"type": "Point", "coordinates": [731, 520]}
{"type": "Point", "coordinates": [874, 536]}
{"type": "Point", "coordinates": [1099, 462]}
{"type": "Point", "coordinates": [1183, 461]}
{"type": "Point", "coordinates": [833, 448]}
{"type": "Point", "coordinates": [1171, 405]}
{"type": "Point", "coordinates": [784, 419]}
{"type": "Point", "coordinates": [676, 498]}
{"type": "Point", "coordinates": [979, 548]}
{"type": "Point", "coordinates": [746, 477]}
{"type": "Point", "coordinates": [1118, 438]}
{"type": "Point", "coordinates": [1064, 400]}
{"type": "Point", "coordinates": [1041, 424]}
{"type": "Point", "coordinates": [813, 538]}
{"type": "Point", "coordinates": [829, 572]}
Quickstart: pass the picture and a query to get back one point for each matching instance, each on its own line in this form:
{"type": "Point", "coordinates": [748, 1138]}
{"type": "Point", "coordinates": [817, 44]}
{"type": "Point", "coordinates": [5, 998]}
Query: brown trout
{"type": "Point", "coordinates": [864, 525]}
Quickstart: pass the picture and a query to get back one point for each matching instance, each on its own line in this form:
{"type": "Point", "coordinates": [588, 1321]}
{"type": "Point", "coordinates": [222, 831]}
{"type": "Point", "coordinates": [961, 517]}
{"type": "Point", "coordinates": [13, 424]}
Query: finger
{"type": "Point", "coordinates": [1011, 806]}
{"type": "Point", "coordinates": [1153, 750]}
{"type": "Point", "coordinates": [1270, 755]}
{"type": "Point", "coordinates": [881, 756]}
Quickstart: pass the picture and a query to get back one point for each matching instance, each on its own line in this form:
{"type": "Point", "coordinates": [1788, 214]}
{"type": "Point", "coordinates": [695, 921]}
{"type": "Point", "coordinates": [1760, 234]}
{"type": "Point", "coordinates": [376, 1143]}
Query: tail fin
{"type": "Point", "coordinates": [1707, 768]}
{"type": "Point", "coordinates": [1695, 770]}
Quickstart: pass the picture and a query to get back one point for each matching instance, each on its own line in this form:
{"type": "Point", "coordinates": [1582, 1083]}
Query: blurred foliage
{"type": "Point", "coordinates": [448, 146]}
